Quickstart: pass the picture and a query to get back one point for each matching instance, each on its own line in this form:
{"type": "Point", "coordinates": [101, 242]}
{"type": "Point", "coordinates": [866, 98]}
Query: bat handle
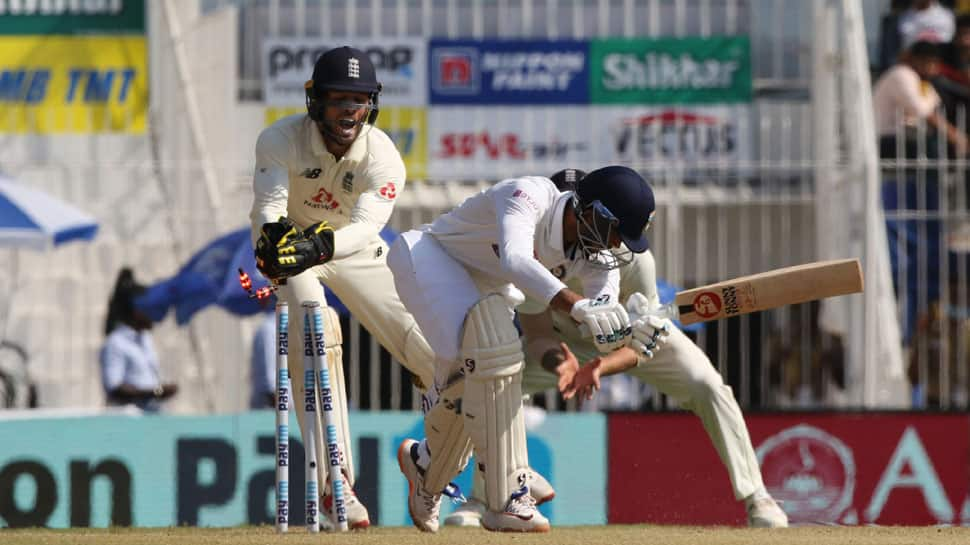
{"type": "Point", "coordinates": [668, 311]}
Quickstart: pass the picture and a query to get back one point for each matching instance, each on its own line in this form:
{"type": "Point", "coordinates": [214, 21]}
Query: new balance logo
{"type": "Point", "coordinates": [312, 173]}
{"type": "Point", "coordinates": [353, 68]}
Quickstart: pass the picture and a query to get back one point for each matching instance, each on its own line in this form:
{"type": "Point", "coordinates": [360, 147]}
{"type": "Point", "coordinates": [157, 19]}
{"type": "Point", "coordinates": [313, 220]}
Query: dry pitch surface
{"type": "Point", "coordinates": [587, 535]}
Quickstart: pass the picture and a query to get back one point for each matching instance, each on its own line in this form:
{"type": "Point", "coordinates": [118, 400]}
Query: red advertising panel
{"type": "Point", "coordinates": [851, 468]}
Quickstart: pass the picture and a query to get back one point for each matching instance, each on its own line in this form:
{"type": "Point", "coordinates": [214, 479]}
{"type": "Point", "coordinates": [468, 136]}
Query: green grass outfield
{"type": "Point", "coordinates": [586, 535]}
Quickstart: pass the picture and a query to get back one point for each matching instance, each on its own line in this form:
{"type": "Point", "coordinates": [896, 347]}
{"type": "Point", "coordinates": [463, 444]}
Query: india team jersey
{"type": "Point", "coordinates": [297, 177]}
{"type": "Point", "coordinates": [512, 233]}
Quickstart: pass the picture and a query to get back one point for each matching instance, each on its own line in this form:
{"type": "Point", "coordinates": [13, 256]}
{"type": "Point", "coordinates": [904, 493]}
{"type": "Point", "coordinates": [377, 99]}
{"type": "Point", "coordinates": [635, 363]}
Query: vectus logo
{"type": "Point", "coordinates": [674, 134]}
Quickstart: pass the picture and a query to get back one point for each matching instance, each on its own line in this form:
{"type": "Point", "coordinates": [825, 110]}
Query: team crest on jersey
{"type": "Point", "coordinates": [348, 183]}
{"type": "Point", "coordinates": [311, 173]}
{"type": "Point", "coordinates": [323, 200]}
{"type": "Point", "coordinates": [388, 191]}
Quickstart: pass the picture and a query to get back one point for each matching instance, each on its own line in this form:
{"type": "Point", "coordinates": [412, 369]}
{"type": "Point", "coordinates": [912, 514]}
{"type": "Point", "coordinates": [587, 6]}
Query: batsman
{"type": "Point", "coordinates": [462, 276]}
{"type": "Point", "coordinates": [325, 184]}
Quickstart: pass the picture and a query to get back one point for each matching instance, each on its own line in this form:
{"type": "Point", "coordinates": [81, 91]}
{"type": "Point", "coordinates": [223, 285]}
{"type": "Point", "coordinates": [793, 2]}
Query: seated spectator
{"type": "Point", "coordinates": [129, 363]}
{"type": "Point", "coordinates": [926, 21]}
{"type": "Point", "coordinates": [262, 369]}
{"type": "Point", "coordinates": [938, 361]}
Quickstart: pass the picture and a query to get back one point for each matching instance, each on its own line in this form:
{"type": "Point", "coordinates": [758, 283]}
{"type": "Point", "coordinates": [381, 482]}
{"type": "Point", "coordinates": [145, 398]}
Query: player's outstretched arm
{"type": "Point", "coordinates": [587, 379]}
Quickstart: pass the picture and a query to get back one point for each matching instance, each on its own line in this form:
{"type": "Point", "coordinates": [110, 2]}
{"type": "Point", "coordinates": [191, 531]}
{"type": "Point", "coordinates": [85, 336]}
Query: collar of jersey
{"type": "Point", "coordinates": [356, 151]}
{"type": "Point", "coordinates": [128, 333]}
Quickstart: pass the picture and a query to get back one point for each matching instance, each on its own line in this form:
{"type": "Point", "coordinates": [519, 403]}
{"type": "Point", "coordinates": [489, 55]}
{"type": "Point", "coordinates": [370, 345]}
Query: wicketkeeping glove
{"type": "Point", "coordinates": [606, 319]}
{"type": "Point", "coordinates": [293, 251]}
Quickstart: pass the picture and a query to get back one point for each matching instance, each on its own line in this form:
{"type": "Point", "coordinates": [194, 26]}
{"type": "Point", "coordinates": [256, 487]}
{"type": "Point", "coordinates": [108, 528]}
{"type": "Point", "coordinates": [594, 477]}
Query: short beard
{"type": "Point", "coordinates": [327, 129]}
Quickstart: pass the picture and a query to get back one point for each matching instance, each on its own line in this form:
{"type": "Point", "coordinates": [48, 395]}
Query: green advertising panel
{"type": "Point", "coordinates": [219, 471]}
{"type": "Point", "coordinates": [714, 70]}
{"type": "Point", "coordinates": [72, 17]}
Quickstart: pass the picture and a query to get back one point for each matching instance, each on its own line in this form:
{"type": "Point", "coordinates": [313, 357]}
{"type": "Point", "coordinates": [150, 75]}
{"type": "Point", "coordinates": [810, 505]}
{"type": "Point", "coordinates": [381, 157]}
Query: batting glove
{"type": "Point", "coordinates": [650, 331]}
{"type": "Point", "coordinates": [649, 335]}
{"type": "Point", "coordinates": [607, 320]}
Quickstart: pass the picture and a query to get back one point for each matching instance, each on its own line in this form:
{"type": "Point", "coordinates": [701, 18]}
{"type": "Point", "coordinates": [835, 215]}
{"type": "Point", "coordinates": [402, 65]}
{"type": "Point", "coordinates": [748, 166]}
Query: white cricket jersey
{"type": "Point", "coordinates": [297, 177]}
{"type": "Point", "coordinates": [513, 233]}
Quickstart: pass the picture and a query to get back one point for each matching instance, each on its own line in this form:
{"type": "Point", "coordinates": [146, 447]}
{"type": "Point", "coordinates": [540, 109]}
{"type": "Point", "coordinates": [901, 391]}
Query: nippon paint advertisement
{"type": "Point", "coordinates": [407, 126]}
{"type": "Point", "coordinates": [852, 468]}
{"type": "Point", "coordinates": [400, 64]}
{"type": "Point", "coordinates": [220, 470]}
{"type": "Point", "coordinates": [73, 84]}
{"type": "Point", "coordinates": [508, 72]}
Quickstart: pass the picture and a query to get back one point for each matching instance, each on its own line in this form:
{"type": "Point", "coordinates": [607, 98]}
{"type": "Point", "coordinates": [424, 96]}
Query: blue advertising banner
{"type": "Point", "coordinates": [219, 470]}
{"type": "Point", "coordinates": [508, 72]}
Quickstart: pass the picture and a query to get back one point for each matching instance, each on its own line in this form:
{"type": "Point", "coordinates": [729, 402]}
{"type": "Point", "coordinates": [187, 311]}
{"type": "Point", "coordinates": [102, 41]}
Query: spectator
{"type": "Point", "coordinates": [263, 364]}
{"type": "Point", "coordinates": [910, 124]}
{"type": "Point", "coordinates": [942, 343]}
{"type": "Point", "coordinates": [129, 363]}
{"type": "Point", "coordinates": [953, 83]}
{"type": "Point", "coordinates": [903, 96]}
{"type": "Point", "coordinates": [890, 41]}
{"type": "Point", "coordinates": [926, 21]}
{"type": "Point", "coordinates": [956, 65]}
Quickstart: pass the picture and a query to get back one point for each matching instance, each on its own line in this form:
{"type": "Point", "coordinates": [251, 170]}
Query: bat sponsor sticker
{"type": "Point", "coordinates": [707, 304]}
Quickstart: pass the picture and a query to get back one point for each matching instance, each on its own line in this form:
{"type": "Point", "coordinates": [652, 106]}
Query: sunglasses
{"type": "Point", "coordinates": [347, 105]}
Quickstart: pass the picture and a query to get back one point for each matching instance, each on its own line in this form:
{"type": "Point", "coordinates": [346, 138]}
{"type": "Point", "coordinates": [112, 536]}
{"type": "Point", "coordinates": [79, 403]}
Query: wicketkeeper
{"type": "Point", "coordinates": [325, 184]}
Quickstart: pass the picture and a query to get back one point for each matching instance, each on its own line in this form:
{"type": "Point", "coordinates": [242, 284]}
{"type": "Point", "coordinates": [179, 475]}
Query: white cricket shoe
{"type": "Point", "coordinates": [468, 515]}
{"type": "Point", "coordinates": [765, 513]}
{"type": "Point", "coordinates": [539, 487]}
{"type": "Point", "coordinates": [357, 517]}
{"type": "Point", "coordinates": [424, 506]}
{"type": "Point", "coordinates": [520, 515]}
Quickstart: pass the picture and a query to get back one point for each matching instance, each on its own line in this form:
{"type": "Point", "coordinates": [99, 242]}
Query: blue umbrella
{"type": "Point", "coordinates": [211, 278]}
{"type": "Point", "coordinates": [36, 220]}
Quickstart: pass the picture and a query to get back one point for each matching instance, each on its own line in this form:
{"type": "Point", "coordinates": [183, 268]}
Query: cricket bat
{"type": "Point", "coordinates": [767, 290]}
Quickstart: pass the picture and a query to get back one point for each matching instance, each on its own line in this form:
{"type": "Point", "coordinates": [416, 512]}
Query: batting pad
{"type": "Point", "coordinates": [448, 442]}
{"type": "Point", "coordinates": [493, 361]}
{"type": "Point", "coordinates": [333, 342]}
{"type": "Point", "coordinates": [334, 339]}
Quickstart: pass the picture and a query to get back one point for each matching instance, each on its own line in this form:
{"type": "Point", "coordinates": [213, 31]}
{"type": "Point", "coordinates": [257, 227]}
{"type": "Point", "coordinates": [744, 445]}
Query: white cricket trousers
{"type": "Point", "coordinates": [438, 292]}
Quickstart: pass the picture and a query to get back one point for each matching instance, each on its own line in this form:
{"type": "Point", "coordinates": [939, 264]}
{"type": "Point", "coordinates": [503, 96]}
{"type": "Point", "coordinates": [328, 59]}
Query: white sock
{"type": "Point", "coordinates": [759, 494]}
{"type": "Point", "coordinates": [424, 455]}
